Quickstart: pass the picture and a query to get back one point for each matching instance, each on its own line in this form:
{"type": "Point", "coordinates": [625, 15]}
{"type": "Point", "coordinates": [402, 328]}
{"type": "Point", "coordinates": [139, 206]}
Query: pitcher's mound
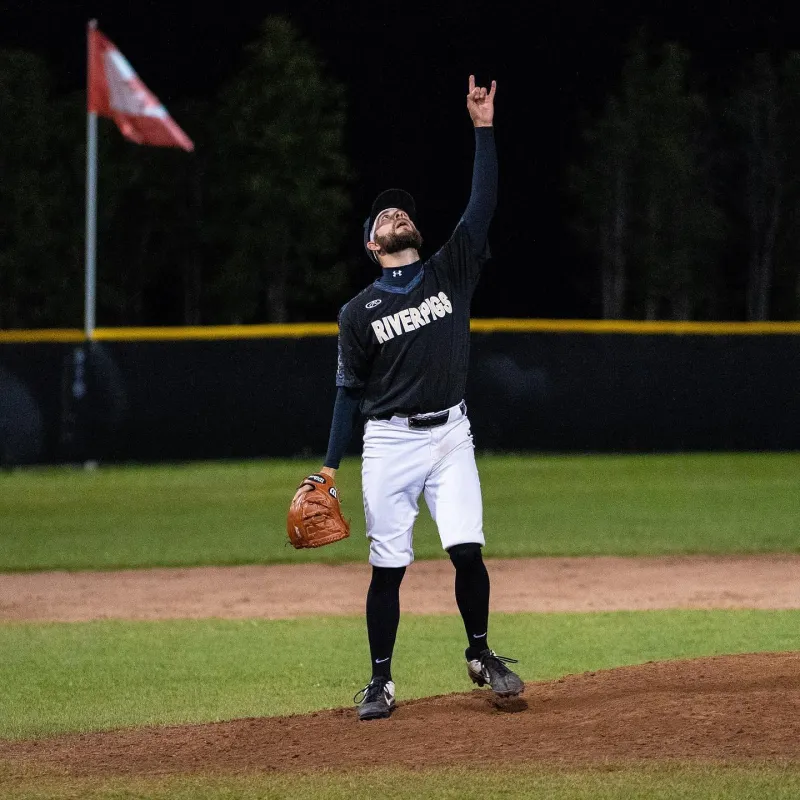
{"type": "Point", "coordinates": [727, 708]}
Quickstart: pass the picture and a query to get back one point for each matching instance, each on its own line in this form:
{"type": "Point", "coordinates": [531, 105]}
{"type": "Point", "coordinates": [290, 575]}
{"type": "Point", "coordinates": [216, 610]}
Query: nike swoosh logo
{"type": "Point", "coordinates": [381, 660]}
{"type": "Point", "coordinates": [478, 635]}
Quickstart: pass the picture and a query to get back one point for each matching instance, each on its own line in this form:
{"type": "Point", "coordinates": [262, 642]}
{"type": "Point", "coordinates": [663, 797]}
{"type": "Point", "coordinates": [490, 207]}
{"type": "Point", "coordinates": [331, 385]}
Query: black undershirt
{"type": "Point", "coordinates": [400, 276]}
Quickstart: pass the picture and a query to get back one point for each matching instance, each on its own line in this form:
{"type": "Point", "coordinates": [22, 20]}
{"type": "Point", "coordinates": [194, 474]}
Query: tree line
{"type": "Point", "coordinates": [684, 196]}
{"type": "Point", "coordinates": [689, 199]}
{"type": "Point", "coordinates": [245, 229]}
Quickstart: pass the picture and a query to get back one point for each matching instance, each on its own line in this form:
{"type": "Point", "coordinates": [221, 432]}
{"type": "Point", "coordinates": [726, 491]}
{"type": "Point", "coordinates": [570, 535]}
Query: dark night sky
{"type": "Point", "coordinates": [405, 67]}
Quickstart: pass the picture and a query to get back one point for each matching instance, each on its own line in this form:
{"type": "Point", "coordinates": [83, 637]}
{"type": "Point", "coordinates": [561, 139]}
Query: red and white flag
{"type": "Point", "coordinates": [116, 91]}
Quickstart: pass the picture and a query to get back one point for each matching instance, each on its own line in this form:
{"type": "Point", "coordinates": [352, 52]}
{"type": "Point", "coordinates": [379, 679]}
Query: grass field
{"type": "Point", "coordinates": [687, 782]}
{"type": "Point", "coordinates": [234, 513]}
{"type": "Point", "coordinates": [89, 676]}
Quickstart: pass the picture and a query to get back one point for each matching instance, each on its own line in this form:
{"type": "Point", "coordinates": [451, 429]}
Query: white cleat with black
{"type": "Point", "coordinates": [376, 699]}
{"type": "Point", "coordinates": [490, 670]}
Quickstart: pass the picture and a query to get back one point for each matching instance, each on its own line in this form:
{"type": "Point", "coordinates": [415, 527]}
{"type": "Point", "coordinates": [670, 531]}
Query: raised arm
{"type": "Point", "coordinates": [483, 198]}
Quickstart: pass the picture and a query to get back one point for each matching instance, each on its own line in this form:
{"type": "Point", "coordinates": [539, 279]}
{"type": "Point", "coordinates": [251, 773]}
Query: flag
{"type": "Point", "coordinates": [116, 91]}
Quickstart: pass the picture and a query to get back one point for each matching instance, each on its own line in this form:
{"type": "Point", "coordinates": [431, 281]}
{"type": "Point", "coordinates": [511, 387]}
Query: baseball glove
{"type": "Point", "coordinates": [315, 516]}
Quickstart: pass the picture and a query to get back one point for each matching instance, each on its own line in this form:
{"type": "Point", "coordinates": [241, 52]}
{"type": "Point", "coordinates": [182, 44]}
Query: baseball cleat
{"type": "Point", "coordinates": [377, 699]}
{"type": "Point", "coordinates": [489, 669]}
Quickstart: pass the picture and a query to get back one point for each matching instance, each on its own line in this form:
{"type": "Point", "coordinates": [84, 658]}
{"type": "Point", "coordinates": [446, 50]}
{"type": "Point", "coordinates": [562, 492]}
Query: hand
{"type": "Point", "coordinates": [329, 471]}
{"type": "Point", "coordinates": [480, 104]}
{"type": "Point", "coordinates": [300, 492]}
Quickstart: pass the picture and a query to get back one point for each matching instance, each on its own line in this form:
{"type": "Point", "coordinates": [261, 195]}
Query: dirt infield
{"type": "Point", "coordinates": [733, 709]}
{"type": "Point", "coordinates": [533, 584]}
{"type": "Point", "coordinates": [742, 708]}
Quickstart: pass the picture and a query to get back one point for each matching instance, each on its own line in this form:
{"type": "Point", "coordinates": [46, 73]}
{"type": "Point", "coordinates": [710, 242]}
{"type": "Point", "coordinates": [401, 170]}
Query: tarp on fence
{"type": "Point", "coordinates": [527, 391]}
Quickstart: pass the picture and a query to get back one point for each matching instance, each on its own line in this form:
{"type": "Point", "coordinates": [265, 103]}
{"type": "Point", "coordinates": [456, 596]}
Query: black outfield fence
{"type": "Point", "coordinates": [534, 386]}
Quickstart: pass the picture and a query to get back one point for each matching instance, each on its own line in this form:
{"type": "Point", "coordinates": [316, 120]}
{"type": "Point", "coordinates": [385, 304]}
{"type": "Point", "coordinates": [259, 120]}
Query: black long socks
{"type": "Point", "coordinates": [383, 617]}
{"type": "Point", "coordinates": [472, 595]}
{"type": "Point", "coordinates": [383, 606]}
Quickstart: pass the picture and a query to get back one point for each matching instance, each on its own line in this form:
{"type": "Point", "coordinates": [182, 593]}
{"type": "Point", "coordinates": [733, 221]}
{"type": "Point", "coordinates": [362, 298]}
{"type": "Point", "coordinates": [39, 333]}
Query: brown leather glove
{"type": "Point", "coordinates": [315, 516]}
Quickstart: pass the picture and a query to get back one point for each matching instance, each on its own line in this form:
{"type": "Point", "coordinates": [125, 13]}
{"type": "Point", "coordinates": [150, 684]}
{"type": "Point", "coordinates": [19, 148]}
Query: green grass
{"type": "Point", "coordinates": [234, 513]}
{"type": "Point", "coordinates": [89, 676]}
{"type": "Point", "coordinates": [688, 782]}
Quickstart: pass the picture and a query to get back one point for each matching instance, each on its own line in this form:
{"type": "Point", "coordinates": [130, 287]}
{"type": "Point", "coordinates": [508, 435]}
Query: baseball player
{"type": "Point", "coordinates": [403, 353]}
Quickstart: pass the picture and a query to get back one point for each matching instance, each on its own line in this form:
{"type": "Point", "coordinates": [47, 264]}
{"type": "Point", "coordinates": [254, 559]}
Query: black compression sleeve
{"type": "Point", "coordinates": [345, 414]}
{"type": "Point", "coordinates": [483, 199]}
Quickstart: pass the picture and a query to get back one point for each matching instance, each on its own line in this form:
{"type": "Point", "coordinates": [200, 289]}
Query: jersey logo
{"type": "Point", "coordinates": [409, 319]}
{"type": "Point", "coordinates": [373, 303]}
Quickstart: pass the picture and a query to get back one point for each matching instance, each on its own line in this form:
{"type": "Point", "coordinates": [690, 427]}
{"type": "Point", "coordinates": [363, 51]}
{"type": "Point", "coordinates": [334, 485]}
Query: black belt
{"type": "Point", "coordinates": [420, 420]}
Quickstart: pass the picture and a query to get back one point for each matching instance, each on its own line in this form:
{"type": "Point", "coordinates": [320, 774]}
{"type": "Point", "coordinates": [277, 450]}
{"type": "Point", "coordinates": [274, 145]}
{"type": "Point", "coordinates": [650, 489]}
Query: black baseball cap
{"type": "Point", "coordinates": [390, 198]}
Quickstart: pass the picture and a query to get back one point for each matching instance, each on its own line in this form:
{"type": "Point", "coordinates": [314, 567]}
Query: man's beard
{"type": "Point", "coordinates": [402, 240]}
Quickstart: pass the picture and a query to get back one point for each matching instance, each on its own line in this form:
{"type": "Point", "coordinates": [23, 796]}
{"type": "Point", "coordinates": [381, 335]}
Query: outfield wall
{"type": "Point", "coordinates": [535, 385]}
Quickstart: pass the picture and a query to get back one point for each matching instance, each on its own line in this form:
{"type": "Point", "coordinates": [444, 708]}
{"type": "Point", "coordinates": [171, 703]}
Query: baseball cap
{"type": "Point", "coordinates": [390, 198]}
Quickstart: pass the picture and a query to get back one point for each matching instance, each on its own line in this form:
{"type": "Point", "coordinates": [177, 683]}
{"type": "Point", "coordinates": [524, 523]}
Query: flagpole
{"type": "Point", "coordinates": [90, 281]}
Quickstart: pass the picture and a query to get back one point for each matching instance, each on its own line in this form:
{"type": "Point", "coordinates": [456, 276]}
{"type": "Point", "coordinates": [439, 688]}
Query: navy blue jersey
{"type": "Point", "coordinates": [404, 340]}
{"type": "Point", "coordinates": [407, 347]}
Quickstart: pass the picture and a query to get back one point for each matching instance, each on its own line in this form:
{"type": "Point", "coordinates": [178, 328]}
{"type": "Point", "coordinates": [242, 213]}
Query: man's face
{"type": "Point", "coordinates": [394, 231]}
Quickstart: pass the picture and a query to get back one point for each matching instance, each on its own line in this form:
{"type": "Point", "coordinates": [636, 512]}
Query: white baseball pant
{"type": "Point", "coordinates": [399, 463]}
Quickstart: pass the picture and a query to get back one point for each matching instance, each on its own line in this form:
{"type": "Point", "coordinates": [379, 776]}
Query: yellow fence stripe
{"type": "Point", "coordinates": [288, 331]}
{"type": "Point", "coordinates": [310, 329]}
{"type": "Point", "coordinates": [632, 326]}
{"type": "Point", "coordinates": [43, 335]}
